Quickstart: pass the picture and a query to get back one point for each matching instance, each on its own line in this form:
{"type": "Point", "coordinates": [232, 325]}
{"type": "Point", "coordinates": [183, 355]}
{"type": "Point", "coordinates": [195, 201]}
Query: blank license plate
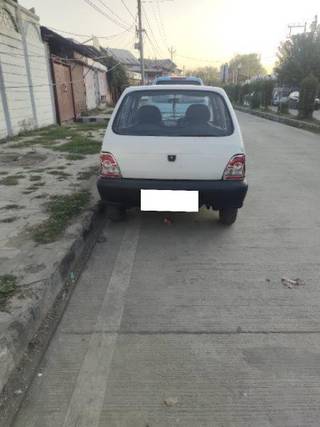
{"type": "Point", "coordinates": [170, 200]}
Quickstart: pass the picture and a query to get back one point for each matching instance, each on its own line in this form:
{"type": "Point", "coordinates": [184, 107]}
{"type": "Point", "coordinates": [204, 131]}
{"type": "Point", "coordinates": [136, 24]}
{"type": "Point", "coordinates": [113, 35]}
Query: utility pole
{"type": "Point", "coordinates": [314, 25]}
{"type": "Point", "coordinates": [140, 34]}
{"type": "Point", "coordinates": [172, 51]}
{"type": "Point", "coordinates": [294, 26]}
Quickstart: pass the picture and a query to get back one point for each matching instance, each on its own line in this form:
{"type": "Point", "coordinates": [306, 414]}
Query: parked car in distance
{"type": "Point", "coordinates": [174, 80]}
{"type": "Point", "coordinates": [280, 94]}
{"type": "Point", "coordinates": [181, 138]}
{"type": "Point", "coordinates": [294, 98]}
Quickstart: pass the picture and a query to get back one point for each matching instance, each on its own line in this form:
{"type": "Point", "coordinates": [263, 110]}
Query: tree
{"type": "Point", "coordinates": [266, 92]}
{"type": "Point", "coordinates": [243, 67]}
{"type": "Point", "coordinates": [233, 92]}
{"type": "Point", "coordinates": [309, 87]}
{"type": "Point", "coordinates": [117, 77]}
{"type": "Point", "coordinates": [209, 75]}
{"type": "Point", "coordinates": [298, 57]}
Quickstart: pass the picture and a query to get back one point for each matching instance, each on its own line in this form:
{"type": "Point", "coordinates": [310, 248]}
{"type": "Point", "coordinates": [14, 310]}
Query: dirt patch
{"type": "Point", "coordinates": [9, 220]}
{"type": "Point", "coordinates": [17, 159]}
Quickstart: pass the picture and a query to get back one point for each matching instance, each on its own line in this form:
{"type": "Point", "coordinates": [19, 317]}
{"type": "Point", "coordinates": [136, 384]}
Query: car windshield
{"type": "Point", "coordinates": [173, 113]}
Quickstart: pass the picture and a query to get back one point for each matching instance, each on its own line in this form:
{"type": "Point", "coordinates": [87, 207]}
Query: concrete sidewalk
{"type": "Point", "coordinates": [47, 184]}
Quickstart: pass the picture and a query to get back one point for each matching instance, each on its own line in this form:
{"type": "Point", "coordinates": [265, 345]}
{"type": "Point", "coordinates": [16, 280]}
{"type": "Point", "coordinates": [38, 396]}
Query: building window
{"type": "Point", "coordinates": [7, 20]}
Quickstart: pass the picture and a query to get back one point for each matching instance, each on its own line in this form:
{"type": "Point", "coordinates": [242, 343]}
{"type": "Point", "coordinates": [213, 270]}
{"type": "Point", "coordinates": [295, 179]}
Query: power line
{"type": "Point", "coordinates": [111, 36]}
{"type": "Point", "coordinates": [57, 84]}
{"type": "Point", "coordinates": [42, 56]}
{"type": "Point", "coordinates": [154, 11]}
{"type": "Point", "coordinates": [151, 31]}
{"type": "Point", "coordinates": [151, 44]}
{"type": "Point", "coordinates": [161, 22]}
{"type": "Point", "coordinates": [111, 11]}
{"type": "Point", "coordinates": [129, 11]}
{"type": "Point", "coordinates": [97, 9]}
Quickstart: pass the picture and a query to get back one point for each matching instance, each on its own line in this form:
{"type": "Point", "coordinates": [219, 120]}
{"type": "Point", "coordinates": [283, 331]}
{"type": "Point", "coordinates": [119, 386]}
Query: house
{"type": "Point", "coordinates": [153, 67]}
{"type": "Point", "coordinates": [128, 60]}
{"type": "Point", "coordinates": [26, 92]}
{"type": "Point", "coordinates": [157, 68]}
{"type": "Point", "coordinates": [80, 79]}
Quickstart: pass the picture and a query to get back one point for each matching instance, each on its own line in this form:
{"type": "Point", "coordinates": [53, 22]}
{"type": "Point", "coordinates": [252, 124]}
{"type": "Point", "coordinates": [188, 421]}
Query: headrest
{"type": "Point", "coordinates": [198, 113]}
{"type": "Point", "coordinates": [149, 114]}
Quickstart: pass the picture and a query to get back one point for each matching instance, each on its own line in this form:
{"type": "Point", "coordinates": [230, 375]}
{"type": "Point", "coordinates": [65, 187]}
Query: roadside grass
{"type": "Point", "coordinates": [85, 175]}
{"type": "Point", "coordinates": [8, 286]}
{"type": "Point", "coordinates": [37, 170]}
{"type": "Point", "coordinates": [12, 206]}
{"type": "Point", "coordinates": [35, 177]}
{"type": "Point", "coordinates": [49, 137]}
{"type": "Point", "coordinates": [35, 186]}
{"type": "Point", "coordinates": [11, 180]}
{"type": "Point", "coordinates": [41, 196]}
{"type": "Point", "coordinates": [79, 145]}
{"type": "Point", "coordinates": [73, 156]}
{"type": "Point", "coordinates": [91, 126]}
{"type": "Point", "coordinates": [9, 220]}
{"type": "Point", "coordinates": [59, 173]}
{"type": "Point", "coordinates": [61, 210]}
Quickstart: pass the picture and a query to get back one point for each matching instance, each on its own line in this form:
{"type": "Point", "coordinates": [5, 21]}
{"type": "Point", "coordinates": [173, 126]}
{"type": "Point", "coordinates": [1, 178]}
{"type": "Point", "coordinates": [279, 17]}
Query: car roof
{"type": "Point", "coordinates": [178, 78]}
{"type": "Point", "coordinates": [175, 87]}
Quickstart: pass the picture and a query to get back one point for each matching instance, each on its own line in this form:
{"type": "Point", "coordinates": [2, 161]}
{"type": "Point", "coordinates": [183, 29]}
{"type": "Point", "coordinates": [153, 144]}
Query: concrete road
{"type": "Point", "coordinates": [188, 324]}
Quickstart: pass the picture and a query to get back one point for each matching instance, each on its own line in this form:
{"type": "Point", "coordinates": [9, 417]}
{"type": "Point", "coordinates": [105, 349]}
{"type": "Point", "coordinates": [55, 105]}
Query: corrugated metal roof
{"type": "Point", "coordinates": [123, 56]}
{"type": "Point", "coordinates": [85, 50]}
{"type": "Point", "coordinates": [166, 64]}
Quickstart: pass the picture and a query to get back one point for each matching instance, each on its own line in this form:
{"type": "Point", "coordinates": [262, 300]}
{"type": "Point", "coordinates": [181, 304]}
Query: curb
{"type": "Point", "coordinates": [311, 127]}
{"type": "Point", "coordinates": [25, 339]}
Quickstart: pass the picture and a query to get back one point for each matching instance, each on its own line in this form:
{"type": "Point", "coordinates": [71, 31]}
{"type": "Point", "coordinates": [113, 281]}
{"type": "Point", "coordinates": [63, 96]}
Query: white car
{"type": "Point", "coordinates": [180, 138]}
{"type": "Point", "coordinates": [178, 80]}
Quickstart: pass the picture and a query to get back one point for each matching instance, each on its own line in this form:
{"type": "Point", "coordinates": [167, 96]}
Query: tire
{"type": "Point", "coordinates": [116, 213]}
{"type": "Point", "coordinates": [228, 216]}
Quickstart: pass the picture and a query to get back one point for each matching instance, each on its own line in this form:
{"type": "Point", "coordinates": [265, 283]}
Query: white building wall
{"type": "Point", "coordinates": [103, 87]}
{"type": "Point", "coordinates": [40, 73]}
{"type": "Point", "coordinates": [3, 127]}
{"type": "Point", "coordinates": [89, 80]}
{"type": "Point", "coordinates": [96, 84]}
{"type": "Point", "coordinates": [26, 83]}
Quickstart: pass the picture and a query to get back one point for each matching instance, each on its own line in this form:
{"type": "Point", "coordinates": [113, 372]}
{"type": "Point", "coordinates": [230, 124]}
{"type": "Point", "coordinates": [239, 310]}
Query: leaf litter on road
{"type": "Point", "coordinates": [292, 283]}
{"type": "Point", "coordinates": [170, 401]}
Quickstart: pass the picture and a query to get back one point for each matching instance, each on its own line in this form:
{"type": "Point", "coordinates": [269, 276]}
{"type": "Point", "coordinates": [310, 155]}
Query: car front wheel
{"type": "Point", "coordinates": [228, 216]}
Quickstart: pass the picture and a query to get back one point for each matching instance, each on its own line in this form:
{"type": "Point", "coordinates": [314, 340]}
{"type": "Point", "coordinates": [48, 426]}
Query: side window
{"type": "Point", "coordinates": [127, 108]}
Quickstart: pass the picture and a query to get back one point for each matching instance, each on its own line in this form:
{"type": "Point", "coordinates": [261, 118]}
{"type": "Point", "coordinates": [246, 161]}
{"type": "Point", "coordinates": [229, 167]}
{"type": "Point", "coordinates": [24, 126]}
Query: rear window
{"type": "Point", "coordinates": [178, 82]}
{"type": "Point", "coordinates": [173, 113]}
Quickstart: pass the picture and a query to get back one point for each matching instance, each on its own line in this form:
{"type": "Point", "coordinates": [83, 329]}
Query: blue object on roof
{"type": "Point", "coordinates": [178, 80]}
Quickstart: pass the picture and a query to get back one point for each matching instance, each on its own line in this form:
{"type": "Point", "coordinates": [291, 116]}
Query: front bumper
{"type": "Point", "coordinates": [217, 194]}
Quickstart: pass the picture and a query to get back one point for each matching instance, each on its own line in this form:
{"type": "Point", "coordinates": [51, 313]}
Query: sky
{"type": "Point", "coordinates": [202, 32]}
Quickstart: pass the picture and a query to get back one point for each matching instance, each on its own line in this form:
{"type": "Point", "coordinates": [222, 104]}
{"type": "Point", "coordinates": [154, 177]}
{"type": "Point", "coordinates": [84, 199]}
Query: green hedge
{"type": "Point", "coordinates": [255, 94]}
